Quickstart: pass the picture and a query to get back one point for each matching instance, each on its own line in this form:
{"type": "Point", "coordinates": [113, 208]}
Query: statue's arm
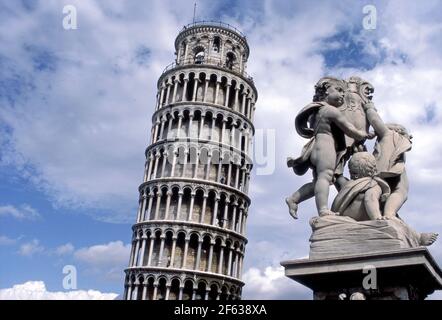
{"type": "Point", "coordinates": [371, 202]}
{"type": "Point", "coordinates": [346, 126]}
{"type": "Point", "coordinates": [375, 120]}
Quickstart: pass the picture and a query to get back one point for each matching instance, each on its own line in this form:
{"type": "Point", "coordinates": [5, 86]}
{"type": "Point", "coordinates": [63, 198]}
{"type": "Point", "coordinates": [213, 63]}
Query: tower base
{"type": "Point", "coordinates": [405, 274]}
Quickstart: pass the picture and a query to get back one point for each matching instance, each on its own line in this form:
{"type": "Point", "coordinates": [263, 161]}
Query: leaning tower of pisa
{"type": "Point", "coordinates": [189, 237]}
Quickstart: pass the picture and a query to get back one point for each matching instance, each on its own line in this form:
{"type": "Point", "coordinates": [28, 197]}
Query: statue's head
{"type": "Point", "coordinates": [400, 129]}
{"type": "Point", "coordinates": [362, 164]}
{"type": "Point", "coordinates": [330, 90]}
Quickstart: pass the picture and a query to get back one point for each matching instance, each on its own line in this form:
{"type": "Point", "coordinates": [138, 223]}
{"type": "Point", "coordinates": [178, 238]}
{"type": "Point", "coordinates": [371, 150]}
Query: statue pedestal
{"type": "Point", "coordinates": [404, 274]}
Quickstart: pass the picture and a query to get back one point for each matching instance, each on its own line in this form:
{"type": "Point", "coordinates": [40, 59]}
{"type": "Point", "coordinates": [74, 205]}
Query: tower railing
{"type": "Point", "coordinates": [214, 23]}
{"type": "Point", "coordinates": [209, 62]}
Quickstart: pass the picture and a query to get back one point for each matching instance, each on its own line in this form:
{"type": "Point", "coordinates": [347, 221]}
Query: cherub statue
{"type": "Point", "coordinates": [363, 197]}
{"type": "Point", "coordinates": [393, 140]}
{"type": "Point", "coordinates": [325, 125]}
{"type": "Point", "coordinates": [360, 198]}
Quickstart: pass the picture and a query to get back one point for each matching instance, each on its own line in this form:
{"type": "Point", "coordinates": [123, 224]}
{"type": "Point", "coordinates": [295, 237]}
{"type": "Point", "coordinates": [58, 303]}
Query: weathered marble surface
{"type": "Point", "coordinates": [335, 236]}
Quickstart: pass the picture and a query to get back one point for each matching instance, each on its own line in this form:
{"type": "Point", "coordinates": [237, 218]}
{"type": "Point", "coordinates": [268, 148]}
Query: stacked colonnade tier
{"type": "Point", "coordinates": [189, 237]}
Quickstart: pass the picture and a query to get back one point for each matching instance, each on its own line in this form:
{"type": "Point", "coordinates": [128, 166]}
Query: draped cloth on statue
{"type": "Point", "coordinates": [389, 153]}
{"type": "Point", "coordinates": [353, 188]}
{"type": "Point", "coordinates": [335, 236]}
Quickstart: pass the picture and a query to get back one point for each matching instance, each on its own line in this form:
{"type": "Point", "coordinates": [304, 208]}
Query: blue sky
{"type": "Point", "coordinates": [75, 110]}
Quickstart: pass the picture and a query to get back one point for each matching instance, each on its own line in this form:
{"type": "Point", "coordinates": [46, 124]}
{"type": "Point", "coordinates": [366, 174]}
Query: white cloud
{"type": "Point", "coordinates": [108, 260]}
{"type": "Point", "coordinates": [65, 249]}
{"type": "Point", "coordinates": [5, 241]}
{"type": "Point", "coordinates": [36, 290]}
{"type": "Point", "coordinates": [30, 248]}
{"type": "Point", "coordinates": [21, 213]}
{"type": "Point", "coordinates": [271, 284]}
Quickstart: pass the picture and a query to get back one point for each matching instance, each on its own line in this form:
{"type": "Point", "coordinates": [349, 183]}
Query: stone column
{"type": "Point", "coordinates": [220, 165]}
{"type": "Point", "coordinates": [203, 210]}
{"type": "Point", "coordinates": [189, 128]}
{"type": "Point", "coordinates": [163, 166]}
{"type": "Point", "coordinates": [226, 212]}
{"type": "Point", "coordinates": [180, 200]}
{"type": "Point", "coordinates": [172, 255]}
{"type": "Point", "coordinates": [155, 291]}
{"type": "Point", "coordinates": [180, 294]}
{"type": "Point", "coordinates": [129, 291]}
{"type": "Point", "coordinates": [233, 225]}
{"type": "Point", "coordinates": [212, 129]}
{"type": "Point", "coordinates": [240, 216]}
{"type": "Point", "coordinates": [223, 130]}
{"type": "Point", "coordinates": [209, 262]}
{"type": "Point", "coordinates": [235, 105]}
{"type": "Point", "coordinates": [243, 178]}
{"type": "Point", "coordinates": [226, 103]}
{"type": "Point", "coordinates": [209, 163]}
{"type": "Point", "coordinates": [243, 231]}
{"type": "Point", "coordinates": [152, 243]}
{"type": "Point", "coordinates": [149, 170]}
{"type": "Point", "coordinates": [149, 207]}
{"type": "Point", "coordinates": [155, 169]}
{"type": "Point", "coordinates": [183, 174]}
{"type": "Point", "coordinates": [172, 170]}
{"type": "Point", "coordinates": [243, 102]}
{"type": "Point", "coordinates": [167, 95]}
{"type": "Point", "coordinates": [237, 176]}
{"type": "Point", "coordinates": [198, 255]}
{"type": "Point", "coordinates": [155, 133]}
{"type": "Point", "coordinates": [143, 248]}
{"type": "Point", "coordinates": [229, 173]}
{"type": "Point", "coordinates": [137, 247]}
{"type": "Point", "coordinates": [249, 104]}
{"type": "Point", "coordinates": [160, 256]}
{"type": "Point", "coordinates": [167, 292]}
{"type": "Point", "coordinates": [215, 210]}
{"type": "Point", "coordinates": [235, 264]}
{"type": "Point", "coordinates": [205, 89]}
{"type": "Point", "coordinates": [157, 209]}
{"type": "Point", "coordinates": [175, 87]}
{"type": "Point", "coordinates": [232, 135]}
{"type": "Point", "coordinates": [229, 262]}
{"type": "Point", "coordinates": [184, 94]}
{"type": "Point", "coordinates": [217, 91]}
{"type": "Point", "coordinates": [161, 96]}
{"type": "Point", "coordinates": [169, 195]}
{"type": "Point", "coordinates": [240, 266]}
{"type": "Point", "coordinates": [195, 88]}
{"type": "Point", "coordinates": [163, 121]}
{"type": "Point", "coordinates": [144, 297]}
{"type": "Point", "coordinates": [192, 200]}
{"type": "Point", "coordinates": [169, 127]}
{"type": "Point", "coordinates": [180, 121]}
{"type": "Point", "coordinates": [201, 127]}
{"type": "Point", "coordinates": [197, 161]}
{"type": "Point", "coordinates": [221, 257]}
{"type": "Point", "coordinates": [186, 248]}
{"type": "Point", "coordinates": [132, 253]}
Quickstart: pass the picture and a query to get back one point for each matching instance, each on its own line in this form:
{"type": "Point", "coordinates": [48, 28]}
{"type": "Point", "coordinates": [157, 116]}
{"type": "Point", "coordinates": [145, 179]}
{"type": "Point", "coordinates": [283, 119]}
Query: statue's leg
{"type": "Point", "coordinates": [397, 197]}
{"type": "Point", "coordinates": [306, 192]}
{"type": "Point", "coordinates": [322, 189]}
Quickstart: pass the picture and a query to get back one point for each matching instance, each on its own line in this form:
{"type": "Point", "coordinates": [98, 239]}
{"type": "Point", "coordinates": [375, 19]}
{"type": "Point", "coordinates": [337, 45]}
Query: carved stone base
{"type": "Point", "coordinates": [405, 274]}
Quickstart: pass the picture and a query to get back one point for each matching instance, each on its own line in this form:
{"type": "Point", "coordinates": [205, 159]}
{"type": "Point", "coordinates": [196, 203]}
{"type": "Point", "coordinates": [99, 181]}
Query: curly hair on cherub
{"type": "Point", "coordinates": [362, 164]}
{"type": "Point", "coordinates": [323, 84]}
